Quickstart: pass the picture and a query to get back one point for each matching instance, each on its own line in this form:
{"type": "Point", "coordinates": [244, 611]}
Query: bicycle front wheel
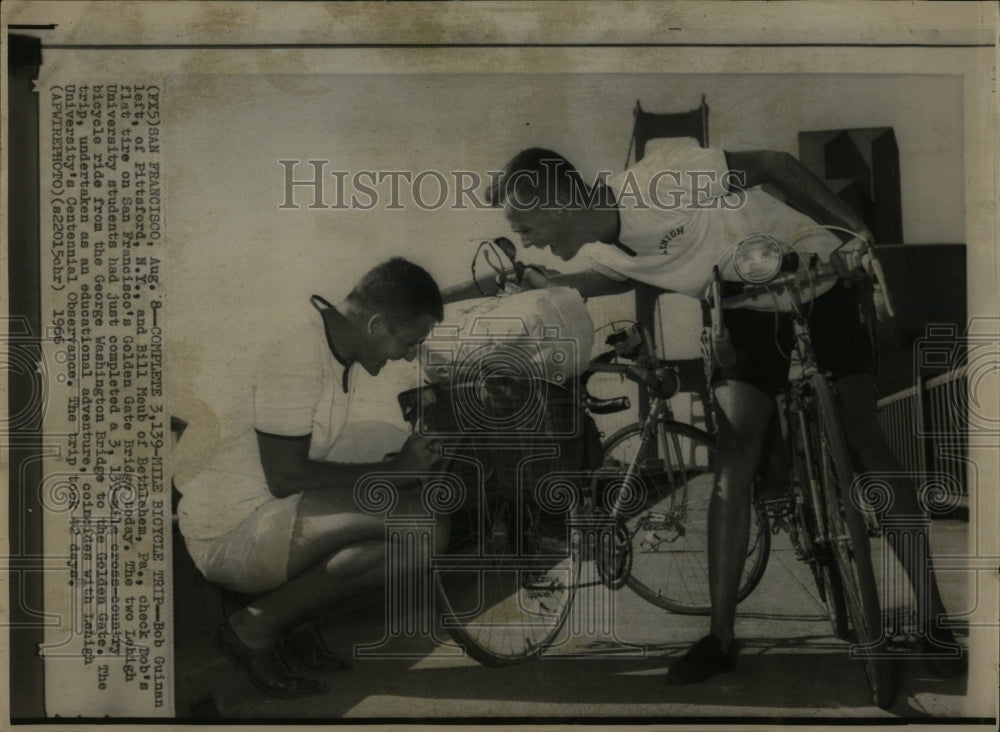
{"type": "Point", "coordinates": [832, 591]}
{"type": "Point", "coordinates": [809, 516]}
{"type": "Point", "coordinates": [851, 548]}
{"type": "Point", "coordinates": [502, 603]}
{"type": "Point", "coordinates": [668, 519]}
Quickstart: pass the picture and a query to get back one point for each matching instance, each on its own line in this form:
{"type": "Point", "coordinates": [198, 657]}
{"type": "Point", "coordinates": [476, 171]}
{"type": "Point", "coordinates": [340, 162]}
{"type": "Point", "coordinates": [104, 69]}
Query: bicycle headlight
{"type": "Point", "coordinates": [758, 258]}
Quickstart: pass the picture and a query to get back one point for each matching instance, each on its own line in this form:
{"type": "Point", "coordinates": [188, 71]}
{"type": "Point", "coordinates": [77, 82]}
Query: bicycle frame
{"type": "Point", "coordinates": [661, 482]}
{"type": "Point", "coordinates": [643, 371]}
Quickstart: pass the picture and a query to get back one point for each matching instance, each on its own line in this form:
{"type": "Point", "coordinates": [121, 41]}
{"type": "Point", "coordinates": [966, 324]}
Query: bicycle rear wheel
{"type": "Point", "coordinates": [502, 603]}
{"type": "Point", "coordinates": [851, 548]}
{"type": "Point", "coordinates": [668, 519]}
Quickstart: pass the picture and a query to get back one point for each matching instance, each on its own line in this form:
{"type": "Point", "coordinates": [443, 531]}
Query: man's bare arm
{"type": "Point", "coordinates": [591, 283]}
{"type": "Point", "coordinates": [800, 186]}
{"type": "Point", "coordinates": [481, 287]}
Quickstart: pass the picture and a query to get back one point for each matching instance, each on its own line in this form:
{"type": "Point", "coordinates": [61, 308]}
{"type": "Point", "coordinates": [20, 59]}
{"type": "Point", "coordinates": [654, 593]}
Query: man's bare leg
{"type": "Point", "coordinates": [337, 554]}
{"type": "Point", "coordinates": [743, 414]}
{"type": "Point", "coordinates": [357, 568]}
{"type": "Point", "coordinates": [872, 454]}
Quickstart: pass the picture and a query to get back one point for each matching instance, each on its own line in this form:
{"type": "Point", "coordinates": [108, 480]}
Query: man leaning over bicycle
{"type": "Point", "coordinates": [666, 222]}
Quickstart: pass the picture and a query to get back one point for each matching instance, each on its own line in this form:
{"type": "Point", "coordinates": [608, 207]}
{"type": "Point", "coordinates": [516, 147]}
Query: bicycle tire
{"type": "Point", "coordinates": [503, 606]}
{"type": "Point", "coordinates": [833, 597]}
{"type": "Point", "coordinates": [819, 558]}
{"type": "Point", "coordinates": [852, 548]}
{"type": "Point", "coordinates": [669, 537]}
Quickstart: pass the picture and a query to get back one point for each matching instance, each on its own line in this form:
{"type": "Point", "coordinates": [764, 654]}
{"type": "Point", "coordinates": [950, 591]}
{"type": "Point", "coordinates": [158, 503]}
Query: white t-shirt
{"type": "Point", "coordinates": [679, 221]}
{"type": "Point", "coordinates": [300, 389]}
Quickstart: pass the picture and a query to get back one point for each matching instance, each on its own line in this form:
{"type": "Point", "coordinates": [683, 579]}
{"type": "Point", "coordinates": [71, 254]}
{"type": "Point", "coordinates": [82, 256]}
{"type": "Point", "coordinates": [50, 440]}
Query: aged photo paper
{"type": "Point", "coordinates": [180, 179]}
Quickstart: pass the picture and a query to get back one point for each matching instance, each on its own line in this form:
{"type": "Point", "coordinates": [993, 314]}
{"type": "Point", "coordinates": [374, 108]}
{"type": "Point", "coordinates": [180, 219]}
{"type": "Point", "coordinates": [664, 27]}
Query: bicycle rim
{"type": "Point", "coordinates": [852, 550]}
{"type": "Point", "coordinates": [831, 587]}
{"type": "Point", "coordinates": [668, 524]}
{"type": "Point", "coordinates": [503, 606]}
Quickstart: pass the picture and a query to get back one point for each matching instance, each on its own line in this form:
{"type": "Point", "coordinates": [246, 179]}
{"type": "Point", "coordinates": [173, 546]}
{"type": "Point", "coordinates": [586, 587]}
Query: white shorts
{"type": "Point", "coordinates": [253, 557]}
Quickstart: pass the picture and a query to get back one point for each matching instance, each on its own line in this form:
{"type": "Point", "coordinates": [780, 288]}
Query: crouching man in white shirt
{"type": "Point", "coordinates": [274, 513]}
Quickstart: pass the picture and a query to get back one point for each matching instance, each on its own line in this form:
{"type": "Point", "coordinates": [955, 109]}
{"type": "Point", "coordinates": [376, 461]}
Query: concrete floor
{"type": "Point", "coordinates": [791, 668]}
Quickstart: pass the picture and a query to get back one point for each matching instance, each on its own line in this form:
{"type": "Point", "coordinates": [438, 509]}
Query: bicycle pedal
{"type": "Point", "coordinates": [540, 583]}
{"type": "Point", "coordinates": [779, 512]}
{"type": "Point", "coordinates": [778, 524]}
{"type": "Point", "coordinates": [551, 545]}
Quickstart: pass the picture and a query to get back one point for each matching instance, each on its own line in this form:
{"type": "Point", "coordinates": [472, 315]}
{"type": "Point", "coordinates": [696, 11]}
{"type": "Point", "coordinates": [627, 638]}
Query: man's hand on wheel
{"type": "Point", "coordinates": [418, 455]}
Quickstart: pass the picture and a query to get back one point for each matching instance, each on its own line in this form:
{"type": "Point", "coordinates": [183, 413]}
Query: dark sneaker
{"type": "Point", "coordinates": [266, 667]}
{"type": "Point", "coordinates": [306, 650]}
{"type": "Point", "coordinates": [704, 660]}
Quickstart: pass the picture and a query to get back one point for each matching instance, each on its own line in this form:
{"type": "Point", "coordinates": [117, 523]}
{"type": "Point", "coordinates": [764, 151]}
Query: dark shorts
{"type": "Point", "coordinates": [763, 341]}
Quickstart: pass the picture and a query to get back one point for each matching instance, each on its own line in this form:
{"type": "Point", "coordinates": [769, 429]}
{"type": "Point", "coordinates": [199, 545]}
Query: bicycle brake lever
{"type": "Point", "coordinates": [880, 293]}
{"type": "Point", "coordinates": [508, 285]}
{"type": "Point", "coordinates": [507, 247]}
{"type": "Point", "coordinates": [860, 262]}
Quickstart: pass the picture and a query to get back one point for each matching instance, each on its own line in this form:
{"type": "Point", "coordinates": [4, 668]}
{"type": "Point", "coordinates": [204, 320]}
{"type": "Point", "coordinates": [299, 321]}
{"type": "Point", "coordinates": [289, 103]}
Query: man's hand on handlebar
{"type": "Point", "coordinates": [852, 259]}
{"type": "Point", "coordinates": [856, 260]}
{"type": "Point", "coordinates": [534, 278]}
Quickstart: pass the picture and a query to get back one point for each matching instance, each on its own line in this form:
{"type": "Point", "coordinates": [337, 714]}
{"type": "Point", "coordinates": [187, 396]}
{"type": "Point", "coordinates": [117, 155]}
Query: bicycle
{"type": "Point", "coordinates": [668, 533]}
{"type": "Point", "coordinates": [509, 578]}
{"type": "Point", "coordinates": [827, 524]}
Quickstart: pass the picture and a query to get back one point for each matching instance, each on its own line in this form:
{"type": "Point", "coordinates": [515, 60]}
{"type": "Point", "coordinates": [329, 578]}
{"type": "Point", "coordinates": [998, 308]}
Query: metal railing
{"type": "Point", "coordinates": [927, 425]}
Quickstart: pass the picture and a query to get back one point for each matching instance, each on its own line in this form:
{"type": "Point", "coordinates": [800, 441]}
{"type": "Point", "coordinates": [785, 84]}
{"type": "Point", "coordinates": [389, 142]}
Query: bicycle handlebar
{"type": "Point", "coordinates": [846, 262]}
{"type": "Point", "coordinates": [849, 264]}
